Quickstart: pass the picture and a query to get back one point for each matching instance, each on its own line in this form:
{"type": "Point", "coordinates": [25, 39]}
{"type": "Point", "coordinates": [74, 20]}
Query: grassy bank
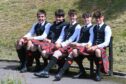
{"type": "Point", "coordinates": [17, 16]}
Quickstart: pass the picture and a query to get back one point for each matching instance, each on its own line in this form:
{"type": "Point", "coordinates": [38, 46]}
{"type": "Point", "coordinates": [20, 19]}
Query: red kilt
{"type": "Point", "coordinates": [66, 50]}
{"type": "Point", "coordinates": [82, 50]}
{"type": "Point", "coordinates": [105, 61]}
{"type": "Point", "coordinates": [37, 42]}
{"type": "Point", "coordinates": [48, 47]}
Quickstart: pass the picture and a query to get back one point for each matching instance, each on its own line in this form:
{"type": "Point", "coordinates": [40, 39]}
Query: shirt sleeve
{"type": "Point", "coordinates": [108, 34]}
{"type": "Point", "coordinates": [78, 33]}
{"type": "Point", "coordinates": [45, 33]}
{"type": "Point", "coordinates": [31, 32]}
{"type": "Point", "coordinates": [61, 37]}
{"type": "Point", "coordinates": [91, 37]}
{"type": "Point", "coordinates": [73, 37]}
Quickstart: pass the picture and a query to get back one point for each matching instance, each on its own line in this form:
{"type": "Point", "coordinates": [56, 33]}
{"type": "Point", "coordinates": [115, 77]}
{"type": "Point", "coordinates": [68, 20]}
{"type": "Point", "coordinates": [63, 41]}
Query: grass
{"type": "Point", "coordinates": [17, 16]}
{"type": "Point", "coordinates": [12, 79]}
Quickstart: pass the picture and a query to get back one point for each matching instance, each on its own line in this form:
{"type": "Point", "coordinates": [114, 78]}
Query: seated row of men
{"type": "Point", "coordinates": [65, 39]}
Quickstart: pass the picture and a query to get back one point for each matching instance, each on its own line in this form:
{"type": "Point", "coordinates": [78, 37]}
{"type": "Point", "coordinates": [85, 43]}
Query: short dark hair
{"type": "Point", "coordinates": [72, 12]}
{"type": "Point", "coordinates": [97, 14]}
{"type": "Point", "coordinates": [87, 15]}
{"type": "Point", "coordinates": [60, 12]}
{"type": "Point", "coordinates": [41, 11]}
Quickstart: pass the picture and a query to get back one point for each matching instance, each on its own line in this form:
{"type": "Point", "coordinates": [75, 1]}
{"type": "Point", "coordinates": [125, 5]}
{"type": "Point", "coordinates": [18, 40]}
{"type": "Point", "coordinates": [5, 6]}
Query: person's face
{"type": "Point", "coordinates": [73, 18]}
{"type": "Point", "coordinates": [59, 19]}
{"type": "Point", "coordinates": [87, 20]}
{"type": "Point", "coordinates": [41, 18]}
{"type": "Point", "coordinates": [99, 20]}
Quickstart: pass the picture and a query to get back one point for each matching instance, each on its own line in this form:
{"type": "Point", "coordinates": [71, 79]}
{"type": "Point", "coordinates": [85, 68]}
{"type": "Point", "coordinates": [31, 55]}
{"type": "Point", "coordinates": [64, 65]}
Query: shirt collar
{"type": "Point", "coordinates": [101, 24]}
{"type": "Point", "coordinates": [88, 25]}
{"type": "Point", "coordinates": [74, 22]}
{"type": "Point", "coordinates": [42, 23]}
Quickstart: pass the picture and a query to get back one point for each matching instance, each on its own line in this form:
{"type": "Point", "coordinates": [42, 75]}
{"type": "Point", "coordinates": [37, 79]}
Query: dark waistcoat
{"type": "Point", "coordinates": [55, 31]}
{"type": "Point", "coordinates": [39, 29]}
{"type": "Point", "coordinates": [99, 34]}
{"type": "Point", "coordinates": [69, 30]}
{"type": "Point", "coordinates": [84, 34]}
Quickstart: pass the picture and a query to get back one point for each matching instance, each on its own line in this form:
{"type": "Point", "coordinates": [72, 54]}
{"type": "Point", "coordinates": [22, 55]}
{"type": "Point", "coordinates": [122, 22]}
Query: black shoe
{"type": "Point", "coordinates": [43, 74]}
{"type": "Point", "coordinates": [24, 69]}
{"type": "Point", "coordinates": [80, 74]}
{"type": "Point", "coordinates": [98, 78]}
{"type": "Point", "coordinates": [58, 77]}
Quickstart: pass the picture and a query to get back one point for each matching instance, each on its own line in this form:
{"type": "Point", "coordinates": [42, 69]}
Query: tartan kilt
{"type": "Point", "coordinates": [37, 42]}
{"type": "Point", "coordinates": [48, 47]}
{"type": "Point", "coordinates": [82, 50]}
{"type": "Point", "coordinates": [105, 61]}
{"type": "Point", "coordinates": [66, 50]}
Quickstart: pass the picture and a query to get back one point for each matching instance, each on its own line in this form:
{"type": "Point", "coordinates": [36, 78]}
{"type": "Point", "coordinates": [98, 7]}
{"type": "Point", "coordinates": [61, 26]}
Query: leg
{"type": "Point", "coordinates": [53, 60]}
{"type": "Point", "coordinates": [67, 64]}
{"type": "Point", "coordinates": [78, 59]}
{"type": "Point", "coordinates": [21, 51]}
{"type": "Point", "coordinates": [35, 54]}
{"type": "Point", "coordinates": [98, 61]}
{"type": "Point", "coordinates": [44, 55]}
{"type": "Point", "coordinates": [45, 58]}
{"type": "Point", "coordinates": [61, 62]}
{"type": "Point", "coordinates": [28, 58]}
{"type": "Point", "coordinates": [21, 55]}
{"type": "Point", "coordinates": [82, 72]}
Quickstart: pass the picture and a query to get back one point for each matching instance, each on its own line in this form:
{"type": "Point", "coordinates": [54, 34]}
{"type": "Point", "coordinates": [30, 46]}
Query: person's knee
{"type": "Point", "coordinates": [98, 53]}
{"type": "Point", "coordinates": [75, 53]}
{"type": "Point", "coordinates": [70, 55]}
{"type": "Point", "coordinates": [29, 45]}
{"type": "Point", "coordinates": [44, 54]}
{"type": "Point", "coordinates": [57, 54]}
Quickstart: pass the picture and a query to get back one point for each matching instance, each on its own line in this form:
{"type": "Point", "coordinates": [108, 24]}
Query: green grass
{"type": "Point", "coordinates": [17, 16]}
{"type": "Point", "coordinates": [12, 79]}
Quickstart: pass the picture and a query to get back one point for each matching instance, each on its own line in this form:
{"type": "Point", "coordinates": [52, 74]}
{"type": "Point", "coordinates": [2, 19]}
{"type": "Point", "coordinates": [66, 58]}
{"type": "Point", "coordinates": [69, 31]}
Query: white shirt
{"type": "Point", "coordinates": [90, 37]}
{"type": "Point", "coordinates": [74, 36]}
{"type": "Point", "coordinates": [31, 33]}
{"type": "Point", "coordinates": [108, 34]}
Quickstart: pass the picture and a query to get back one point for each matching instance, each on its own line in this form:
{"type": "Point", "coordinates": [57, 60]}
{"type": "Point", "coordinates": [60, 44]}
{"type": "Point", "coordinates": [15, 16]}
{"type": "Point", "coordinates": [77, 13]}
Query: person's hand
{"type": "Point", "coordinates": [47, 40]}
{"type": "Point", "coordinates": [21, 41]}
{"type": "Point", "coordinates": [87, 46]}
{"type": "Point", "coordinates": [73, 44]}
{"type": "Point", "coordinates": [78, 44]}
{"type": "Point", "coordinates": [58, 45]}
{"type": "Point", "coordinates": [92, 49]}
